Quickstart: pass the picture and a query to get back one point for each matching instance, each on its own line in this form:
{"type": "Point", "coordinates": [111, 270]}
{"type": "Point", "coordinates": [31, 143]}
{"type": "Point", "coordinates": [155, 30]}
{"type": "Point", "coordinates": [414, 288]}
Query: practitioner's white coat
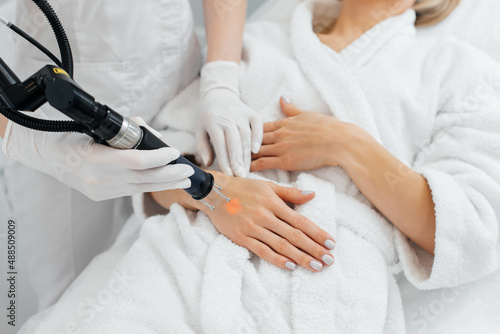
{"type": "Point", "coordinates": [131, 55]}
{"type": "Point", "coordinates": [432, 102]}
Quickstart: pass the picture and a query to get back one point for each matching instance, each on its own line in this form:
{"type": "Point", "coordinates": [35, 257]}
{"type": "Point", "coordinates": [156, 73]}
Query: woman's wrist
{"type": "Point", "coordinates": [169, 197]}
{"type": "Point", "coordinates": [213, 199]}
{"type": "Point", "coordinates": [354, 145]}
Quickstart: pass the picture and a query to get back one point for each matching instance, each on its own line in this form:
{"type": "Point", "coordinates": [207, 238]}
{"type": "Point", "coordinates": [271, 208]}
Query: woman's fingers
{"type": "Point", "coordinates": [289, 109]}
{"type": "Point", "coordinates": [299, 239]}
{"type": "Point", "coordinates": [303, 224]}
{"type": "Point", "coordinates": [267, 253]}
{"type": "Point", "coordinates": [272, 126]}
{"type": "Point", "coordinates": [298, 221]}
{"type": "Point", "coordinates": [266, 163]}
{"type": "Point", "coordinates": [268, 138]}
{"type": "Point", "coordinates": [293, 195]}
{"type": "Point", "coordinates": [295, 245]}
{"type": "Point", "coordinates": [268, 151]}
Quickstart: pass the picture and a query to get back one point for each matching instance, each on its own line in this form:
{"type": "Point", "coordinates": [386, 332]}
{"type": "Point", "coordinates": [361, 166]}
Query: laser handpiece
{"type": "Point", "coordinates": [56, 86]}
{"type": "Point", "coordinates": [53, 85]}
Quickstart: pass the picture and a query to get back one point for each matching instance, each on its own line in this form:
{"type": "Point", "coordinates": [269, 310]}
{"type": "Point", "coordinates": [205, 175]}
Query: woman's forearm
{"type": "Point", "coordinates": [168, 197]}
{"type": "Point", "coordinates": [3, 125]}
{"type": "Point", "coordinates": [224, 24]}
{"type": "Point", "coordinates": [397, 191]}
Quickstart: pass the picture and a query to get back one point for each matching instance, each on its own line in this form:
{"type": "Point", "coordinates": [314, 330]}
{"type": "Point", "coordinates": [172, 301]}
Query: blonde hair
{"type": "Point", "coordinates": [430, 12]}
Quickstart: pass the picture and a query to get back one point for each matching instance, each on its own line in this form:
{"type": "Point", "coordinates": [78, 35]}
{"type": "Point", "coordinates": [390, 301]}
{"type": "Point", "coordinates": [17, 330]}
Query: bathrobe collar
{"type": "Point", "coordinates": [362, 49]}
{"type": "Point", "coordinates": [331, 73]}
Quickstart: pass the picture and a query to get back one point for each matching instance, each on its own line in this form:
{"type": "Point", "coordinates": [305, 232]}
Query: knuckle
{"type": "Point", "coordinates": [250, 228]}
{"type": "Point", "coordinates": [305, 261]}
{"type": "Point", "coordinates": [282, 245]}
{"type": "Point", "coordinates": [321, 235]}
{"type": "Point", "coordinates": [270, 136]}
{"type": "Point", "coordinates": [261, 251]}
{"type": "Point", "coordinates": [259, 163]}
{"type": "Point", "coordinates": [238, 239]}
{"type": "Point", "coordinates": [262, 215]}
{"type": "Point", "coordinates": [279, 134]}
{"type": "Point", "coordinates": [288, 191]}
{"type": "Point", "coordinates": [301, 222]}
{"type": "Point", "coordinates": [274, 205]}
{"type": "Point", "coordinates": [296, 235]}
{"type": "Point", "coordinates": [318, 251]}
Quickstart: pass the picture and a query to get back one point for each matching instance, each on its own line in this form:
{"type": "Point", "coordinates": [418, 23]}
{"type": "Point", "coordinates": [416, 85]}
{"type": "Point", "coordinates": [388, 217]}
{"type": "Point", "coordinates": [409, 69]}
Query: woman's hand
{"type": "Point", "coordinates": [302, 141]}
{"type": "Point", "coordinates": [258, 218]}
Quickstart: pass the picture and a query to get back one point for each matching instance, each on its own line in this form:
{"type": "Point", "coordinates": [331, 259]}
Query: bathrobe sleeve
{"type": "Point", "coordinates": [461, 163]}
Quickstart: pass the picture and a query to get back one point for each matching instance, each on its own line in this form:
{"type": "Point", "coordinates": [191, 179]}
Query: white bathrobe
{"type": "Point", "coordinates": [434, 103]}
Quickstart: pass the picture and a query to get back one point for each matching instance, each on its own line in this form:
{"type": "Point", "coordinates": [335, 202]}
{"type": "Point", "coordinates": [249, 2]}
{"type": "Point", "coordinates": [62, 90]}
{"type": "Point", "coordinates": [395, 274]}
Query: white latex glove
{"type": "Point", "coordinates": [235, 129]}
{"type": "Point", "coordinates": [99, 172]}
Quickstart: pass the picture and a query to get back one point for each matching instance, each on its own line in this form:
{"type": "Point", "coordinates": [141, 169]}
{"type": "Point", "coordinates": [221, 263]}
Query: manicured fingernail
{"type": "Point", "coordinates": [290, 265]}
{"type": "Point", "coordinates": [307, 192]}
{"type": "Point", "coordinates": [286, 99]}
{"type": "Point", "coordinates": [316, 265]}
{"type": "Point", "coordinates": [327, 259]}
{"type": "Point", "coordinates": [330, 244]}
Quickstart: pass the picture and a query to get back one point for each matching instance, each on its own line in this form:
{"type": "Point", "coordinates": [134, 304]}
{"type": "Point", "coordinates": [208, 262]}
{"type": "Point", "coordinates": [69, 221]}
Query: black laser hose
{"type": "Point", "coordinates": [42, 124]}
{"type": "Point", "coordinates": [62, 39]}
{"type": "Point", "coordinates": [67, 64]}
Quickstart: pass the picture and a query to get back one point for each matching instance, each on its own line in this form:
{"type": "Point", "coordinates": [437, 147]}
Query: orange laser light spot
{"type": "Point", "coordinates": [233, 206]}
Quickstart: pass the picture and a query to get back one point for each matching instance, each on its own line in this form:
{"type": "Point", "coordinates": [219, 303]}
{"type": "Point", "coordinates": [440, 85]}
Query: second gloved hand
{"type": "Point", "coordinates": [235, 129]}
{"type": "Point", "coordinates": [98, 171]}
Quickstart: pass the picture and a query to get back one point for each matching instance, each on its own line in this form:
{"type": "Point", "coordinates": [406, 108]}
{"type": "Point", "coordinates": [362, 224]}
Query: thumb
{"type": "Point", "coordinates": [288, 108]}
{"type": "Point", "coordinates": [293, 195]}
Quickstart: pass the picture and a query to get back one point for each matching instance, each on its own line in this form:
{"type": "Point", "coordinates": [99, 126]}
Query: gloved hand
{"type": "Point", "coordinates": [99, 172]}
{"type": "Point", "coordinates": [235, 129]}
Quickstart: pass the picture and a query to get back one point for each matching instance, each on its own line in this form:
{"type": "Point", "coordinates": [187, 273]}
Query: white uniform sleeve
{"type": "Point", "coordinates": [462, 166]}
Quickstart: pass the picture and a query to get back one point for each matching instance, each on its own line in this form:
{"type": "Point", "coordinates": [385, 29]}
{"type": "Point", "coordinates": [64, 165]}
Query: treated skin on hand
{"type": "Point", "coordinates": [234, 206]}
{"type": "Point", "coordinates": [258, 218]}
